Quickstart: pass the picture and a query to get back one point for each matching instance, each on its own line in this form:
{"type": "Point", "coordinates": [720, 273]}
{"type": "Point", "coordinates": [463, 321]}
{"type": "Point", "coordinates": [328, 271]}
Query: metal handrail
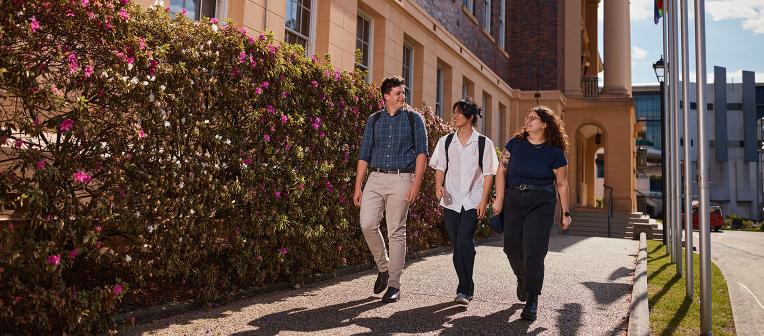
{"type": "Point", "coordinates": [609, 207]}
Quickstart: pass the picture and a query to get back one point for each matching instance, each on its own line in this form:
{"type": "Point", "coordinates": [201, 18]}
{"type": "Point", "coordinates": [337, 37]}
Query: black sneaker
{"type": "Point", "coordinates": [522, 293]}
{"type": "Point", "coordinates": [381, 283]}
{"type": "Point", "coordinates": [529, 311]}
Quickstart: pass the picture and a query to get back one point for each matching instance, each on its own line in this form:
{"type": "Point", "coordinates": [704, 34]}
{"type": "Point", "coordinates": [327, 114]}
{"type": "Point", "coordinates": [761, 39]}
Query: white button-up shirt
{"type": "Point", "coordinates": [464, 180]}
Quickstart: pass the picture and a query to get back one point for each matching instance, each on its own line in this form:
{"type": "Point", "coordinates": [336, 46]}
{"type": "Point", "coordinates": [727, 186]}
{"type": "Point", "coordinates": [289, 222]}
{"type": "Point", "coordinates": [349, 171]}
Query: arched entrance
{"type": "Point", "coordinates": [590, 158]}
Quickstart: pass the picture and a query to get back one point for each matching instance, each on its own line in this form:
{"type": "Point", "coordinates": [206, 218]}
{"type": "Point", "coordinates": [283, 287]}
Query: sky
{"type": "Point", "coordinates": [734, 39]}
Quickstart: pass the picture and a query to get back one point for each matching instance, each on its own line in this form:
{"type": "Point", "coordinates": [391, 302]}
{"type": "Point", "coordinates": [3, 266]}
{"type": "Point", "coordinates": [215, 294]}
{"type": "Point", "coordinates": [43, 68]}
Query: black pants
{"type": "Point", "coordinates": [461, 231]}
{"type": "Point", "coordinates": [528, 219]}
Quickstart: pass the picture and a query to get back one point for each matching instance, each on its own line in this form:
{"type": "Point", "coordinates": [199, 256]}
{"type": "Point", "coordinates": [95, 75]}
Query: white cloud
{"type": "Point", "coordinates": [638, 53]}
{"type": "Point", "coordinates": [642, 10]}
{"type": "Point", "coordinates": [751, 12]}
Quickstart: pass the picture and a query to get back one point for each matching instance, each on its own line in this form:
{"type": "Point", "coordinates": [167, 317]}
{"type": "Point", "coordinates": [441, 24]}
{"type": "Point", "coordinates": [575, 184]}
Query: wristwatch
{"type": "Point", "coordinates": [568, 214]}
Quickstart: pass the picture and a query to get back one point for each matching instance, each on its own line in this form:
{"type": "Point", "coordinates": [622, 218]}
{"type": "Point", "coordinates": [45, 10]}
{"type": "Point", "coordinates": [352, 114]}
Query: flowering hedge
{"type": "Point", "coordinates": [156, 158]}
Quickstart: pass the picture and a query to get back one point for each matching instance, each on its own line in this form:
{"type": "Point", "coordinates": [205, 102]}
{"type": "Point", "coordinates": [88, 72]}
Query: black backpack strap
{"type": "Point", "coordinates": [374, 118]}
{"type": "Point", "coordinates": [481, 149]}
{"type": "Point", "coordinates": [411, 125]}
{"type": "Point", "coordinates": [449, 138]}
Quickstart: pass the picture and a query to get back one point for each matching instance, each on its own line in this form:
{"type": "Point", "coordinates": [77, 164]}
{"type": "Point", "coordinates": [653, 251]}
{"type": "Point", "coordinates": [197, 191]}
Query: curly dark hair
{"type": "Point", "coordinates": [554, 134]}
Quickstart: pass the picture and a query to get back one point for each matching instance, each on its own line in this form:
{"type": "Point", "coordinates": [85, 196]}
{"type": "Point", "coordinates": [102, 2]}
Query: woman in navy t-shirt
{"type": "Point", "coordinates": [533, 168]}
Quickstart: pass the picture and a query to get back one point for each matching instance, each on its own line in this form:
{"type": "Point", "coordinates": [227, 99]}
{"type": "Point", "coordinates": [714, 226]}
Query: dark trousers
{"type": "Point", "coordinates": [528, 219]}
{"type": "Point", "coordinates": [461, 231]}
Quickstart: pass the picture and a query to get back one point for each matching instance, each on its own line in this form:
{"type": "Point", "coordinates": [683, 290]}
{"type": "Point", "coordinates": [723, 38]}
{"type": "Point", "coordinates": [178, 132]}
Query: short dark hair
{"type": "Point", "coordinates": [390, 82]}
{"type": "Point", "coordinates": [468, 108]}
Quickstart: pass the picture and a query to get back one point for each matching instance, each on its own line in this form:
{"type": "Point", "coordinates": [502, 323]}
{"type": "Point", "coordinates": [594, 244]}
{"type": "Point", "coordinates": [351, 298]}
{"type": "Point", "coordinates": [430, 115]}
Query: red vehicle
{"type": "Point", "coordinates": [717, 219]}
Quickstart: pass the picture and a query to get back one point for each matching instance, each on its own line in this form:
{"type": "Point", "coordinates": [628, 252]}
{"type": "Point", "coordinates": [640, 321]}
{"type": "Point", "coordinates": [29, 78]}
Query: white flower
{"type": "Point", "coordinates": [158, 3]}
{"type": "Point", "coordinates": [192, 211]}
{"type": "Point", "coordinates": [151, 96]}
{"type": "Point", "coordinates": [166, 124]}
{"type": "Point", "coordinates": [125, 78]}
{"type": "Point", "coordinates": [151, 78]}
{"type": "Point", "coordinates": [180, 185]}
{"type": "Point", "coordinates": [209, 42]}
{"type": "Point", "coordinates": [105, 74]}
{"type": "Point", "coordinates": [214, 27]}
{"type": "Point", "coordinates": [134, 81]}
{"type": "Point", "coordinates": [161, 87]}
{"type": "Point", "coordinates": [130, 66]}
{"type": "Point", "coordinates": [227, 141]}
{"type": "Point", "coordinates": [145, 83]}
{"type": "Point", "coordinates": [127, 258]}
{"type": "Point", "coordinates": [206, 121]}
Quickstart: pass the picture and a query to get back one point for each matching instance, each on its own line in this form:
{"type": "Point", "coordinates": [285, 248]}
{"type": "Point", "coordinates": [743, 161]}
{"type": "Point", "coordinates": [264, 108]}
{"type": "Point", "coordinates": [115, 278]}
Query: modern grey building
{"type": "Point", "coordinates": [734, 130]}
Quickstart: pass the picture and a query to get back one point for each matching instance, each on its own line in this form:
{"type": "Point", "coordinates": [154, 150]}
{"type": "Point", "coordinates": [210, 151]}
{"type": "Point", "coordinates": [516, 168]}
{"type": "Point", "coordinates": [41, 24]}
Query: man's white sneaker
{"type": "Point", "coordinates": [462, 299]}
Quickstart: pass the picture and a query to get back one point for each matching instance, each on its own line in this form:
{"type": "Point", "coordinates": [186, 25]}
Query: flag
{"type": "Point", "coordinates": [658, 10]}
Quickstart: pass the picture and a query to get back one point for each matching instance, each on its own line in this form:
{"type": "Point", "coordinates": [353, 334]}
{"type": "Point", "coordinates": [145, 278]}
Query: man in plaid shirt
{"type": "Point", "coordinates": [394, 146]}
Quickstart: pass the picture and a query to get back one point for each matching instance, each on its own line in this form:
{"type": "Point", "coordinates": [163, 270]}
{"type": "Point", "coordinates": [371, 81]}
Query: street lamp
{"type": "Point", "coordinates": [659, 67]}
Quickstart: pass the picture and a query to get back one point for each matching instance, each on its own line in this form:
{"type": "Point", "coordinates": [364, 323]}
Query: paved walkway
{"type": "Point", "coordinates": [586, 292]}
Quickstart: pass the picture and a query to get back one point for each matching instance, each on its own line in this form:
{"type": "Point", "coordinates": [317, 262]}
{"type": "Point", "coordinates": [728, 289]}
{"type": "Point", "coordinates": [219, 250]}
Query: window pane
{"type": "Point", "coordinates": [190, 5]}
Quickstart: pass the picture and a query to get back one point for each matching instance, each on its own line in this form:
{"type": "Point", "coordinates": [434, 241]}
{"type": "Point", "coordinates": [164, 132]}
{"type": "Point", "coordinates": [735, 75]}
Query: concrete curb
{"type": "Point", "coordinates": [639, 312]}
{"type": "Point", "coordinates": [173, 308]}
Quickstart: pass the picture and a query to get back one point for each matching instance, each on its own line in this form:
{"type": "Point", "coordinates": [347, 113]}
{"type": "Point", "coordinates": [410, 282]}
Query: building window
{"type": "Point", "coordinates": [486, 119]}
{"type": "Point", "coordinates": [487, 15]}
{"type": "Point", "coordinates": [194, 8]}
{"type": "Point", "coordinates": [297, 22]}
{"type": "Point", "coordinates": [468, 89]}
{"type": "Point", "coordinates": [439, 91]}
{"type": "Point", "coordinates": [363, 43]}
{"type": "Point", "coordinates": [470, 5]}
{"type": "Point", "coordinates": [408, 70]}
{"type": "Point", "coordinates": [502, 127]}
{"type": "Point", "coordinates": [502, 24]}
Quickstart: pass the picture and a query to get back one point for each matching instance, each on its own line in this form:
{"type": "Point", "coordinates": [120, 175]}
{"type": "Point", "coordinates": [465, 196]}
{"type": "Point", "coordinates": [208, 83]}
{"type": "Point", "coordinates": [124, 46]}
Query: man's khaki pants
{"type": "Point", "coordinates": [386, 193]}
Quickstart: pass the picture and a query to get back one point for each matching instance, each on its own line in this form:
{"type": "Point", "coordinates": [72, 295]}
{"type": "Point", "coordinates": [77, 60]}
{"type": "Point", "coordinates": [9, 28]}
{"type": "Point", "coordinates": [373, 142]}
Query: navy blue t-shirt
{"type": "Point", "coordinates": [532, 164]}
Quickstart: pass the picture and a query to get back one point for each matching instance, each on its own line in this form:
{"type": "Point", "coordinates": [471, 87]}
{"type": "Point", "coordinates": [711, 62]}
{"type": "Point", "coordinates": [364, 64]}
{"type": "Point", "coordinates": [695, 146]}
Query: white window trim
{"type": "Point", "coordinates": [221, 10]}
{"type": "Point", "coordinates": [410, 80]}
{"type": "Point", "coordinates": [502, 23]}
{"type": "Point", "coordinates": [487, 14]}
{"type": "Point", "coordinates": [311, 49]}
{"type": "Point", "coordinates": [371, 43]}
{"type": "Point", "coordinates": [470, 6]}
{"type": "Point", "coordinates": [439, 83]}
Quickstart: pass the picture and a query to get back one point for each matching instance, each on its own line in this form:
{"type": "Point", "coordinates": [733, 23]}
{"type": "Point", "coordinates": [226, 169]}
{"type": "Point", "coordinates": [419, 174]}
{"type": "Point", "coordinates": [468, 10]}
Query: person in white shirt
{"type": "Point", "coordinates": [463, 184]}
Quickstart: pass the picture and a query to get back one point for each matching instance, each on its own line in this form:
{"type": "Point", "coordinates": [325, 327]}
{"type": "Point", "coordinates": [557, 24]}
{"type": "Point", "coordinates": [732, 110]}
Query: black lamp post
{"type": "Point", "coordinates": [659, 68]}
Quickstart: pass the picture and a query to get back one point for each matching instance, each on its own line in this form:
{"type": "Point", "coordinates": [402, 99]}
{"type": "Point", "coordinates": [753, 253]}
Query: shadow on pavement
{"type": "Point", "coordinates": [569, 319]}
{"type": "Point", "coordinates": [607, 292]}
{"type": "Point", "coordinates": [557, 242]}
{"type": "Point", "coordinates": [621, 273]}
{"type": "Point", "coordinates": [504, 322]}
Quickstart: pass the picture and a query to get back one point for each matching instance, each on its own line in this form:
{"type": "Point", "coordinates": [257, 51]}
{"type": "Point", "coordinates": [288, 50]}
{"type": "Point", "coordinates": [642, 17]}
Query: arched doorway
{"type": "Point", "coordinates": [590, 158]}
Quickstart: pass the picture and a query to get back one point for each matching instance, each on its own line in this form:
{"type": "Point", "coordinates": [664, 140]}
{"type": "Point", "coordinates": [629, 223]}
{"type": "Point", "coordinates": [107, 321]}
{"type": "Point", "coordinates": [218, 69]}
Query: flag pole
{"type": "Point", "coordinates": [688, 264]}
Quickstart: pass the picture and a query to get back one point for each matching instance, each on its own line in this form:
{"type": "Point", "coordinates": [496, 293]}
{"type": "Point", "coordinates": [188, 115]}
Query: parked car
{"type": "Point", "coordinates": [717, 219]}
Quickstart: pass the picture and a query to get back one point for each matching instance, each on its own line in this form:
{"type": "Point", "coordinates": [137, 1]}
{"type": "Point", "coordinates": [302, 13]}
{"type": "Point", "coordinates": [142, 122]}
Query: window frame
{"type": "Point", "coordinates": [369, 44]}
{"type": "Point", "coordinates": [410, 66]}
{"type": "Point", "coordinates": [309, 39]}
{"type": "Point", "coordinates": [440, 75]}
{"type": "Point", "coordinates": [487, 14]}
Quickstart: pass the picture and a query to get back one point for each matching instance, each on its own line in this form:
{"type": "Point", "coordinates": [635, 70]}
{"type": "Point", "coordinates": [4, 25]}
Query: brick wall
{"type": "Point", "coordinates": [536, 44]}
{"type": "Point", "coordinates": [450, 15]}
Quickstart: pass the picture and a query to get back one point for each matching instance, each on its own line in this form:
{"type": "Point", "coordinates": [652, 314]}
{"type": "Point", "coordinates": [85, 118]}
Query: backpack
{"type": "Point", "coordinates": [481, 149]}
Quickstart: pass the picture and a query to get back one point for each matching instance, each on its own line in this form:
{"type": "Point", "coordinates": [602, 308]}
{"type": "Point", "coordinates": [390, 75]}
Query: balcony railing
{"type": "Point", "coordinates": [590, 85]}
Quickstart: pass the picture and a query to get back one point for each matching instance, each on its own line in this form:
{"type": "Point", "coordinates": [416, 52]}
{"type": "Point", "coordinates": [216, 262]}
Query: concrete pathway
{"type": "Point", "coordinates": [586, 292]}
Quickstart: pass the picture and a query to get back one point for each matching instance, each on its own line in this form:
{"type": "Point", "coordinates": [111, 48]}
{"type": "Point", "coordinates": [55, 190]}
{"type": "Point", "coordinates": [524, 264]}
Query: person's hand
{"type": "Point", "coordinates": [505, 158]}
{"type": "Point", "coordinates": [440, 192]}
{"type": "Point", "coordinates": [481, 208]}
{"type": "Point", "coordinates": [413, 193]}
{"type": "Point", "coordinates": [357, 197]}
{"type": "Point", "coordinates": [566, 222]}
{"type": "Point", "coordinates": [497, 206]}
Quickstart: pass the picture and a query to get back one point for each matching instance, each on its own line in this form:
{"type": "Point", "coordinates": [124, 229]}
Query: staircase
{"type": "Point", "coordinates": [594, 223]}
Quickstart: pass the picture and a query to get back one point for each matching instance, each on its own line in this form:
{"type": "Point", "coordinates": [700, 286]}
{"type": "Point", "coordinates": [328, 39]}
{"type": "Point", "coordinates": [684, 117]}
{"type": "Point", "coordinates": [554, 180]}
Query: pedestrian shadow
{"type": "Point", "coordinates": [312, 320]}
{"type": "Point", "coordinates": [607, 292]}
{"type": "Point", "coordinates": [569, 319]}
{"type": "Point", "coordinates": [414, 321]}
{"type": "Point", "coordinates": [557, 242]}
{"type": "Point", "coordinates": [504, 322]}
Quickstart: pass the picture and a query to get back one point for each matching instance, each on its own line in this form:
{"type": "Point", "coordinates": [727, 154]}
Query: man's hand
{"type": "Point", "coordinates": [497, 206]}
{"type": "Point", "coordinates": [357, 197]}
{"type": "Point", "coordinates": [504, 158]}
{"type": "Point", "coordinates": [413, 193]}
{"type": "Point", "coordinates": [566, 222]}
{"type": "Point", "coordinates": [481, 208]}
{"type": "Point", "coordinates": [440, 192]}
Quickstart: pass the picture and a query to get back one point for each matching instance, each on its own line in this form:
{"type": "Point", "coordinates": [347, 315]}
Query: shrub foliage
{"type": "Point", "coordinates": [153, 157]}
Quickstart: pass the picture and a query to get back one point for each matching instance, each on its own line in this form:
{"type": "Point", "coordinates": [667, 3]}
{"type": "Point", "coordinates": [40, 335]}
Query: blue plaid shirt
{"type": "Point", "coordinates": [391, 146]}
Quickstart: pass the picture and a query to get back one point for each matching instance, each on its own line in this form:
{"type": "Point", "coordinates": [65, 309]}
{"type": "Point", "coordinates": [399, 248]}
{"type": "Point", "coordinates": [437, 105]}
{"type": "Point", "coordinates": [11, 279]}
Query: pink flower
{"type": "Point", "coordinates": [54, 260]}
{"type": "Point", "coordinates": [316, 123]}
{"type": "Point", "coordinates": [270, 109]}
{"type": "Point", "coordinates": [40, 165]}
{"type": "Point", "coordinates": [91, 15]}
{"type": "Point", "coordinates": [258, 90]}
{"type": "Point", "coordinates": [84, 3]}
{"type": "Point", "coordinates": [73, 254]}
{"type": "Point", "coordinates": [321, 134]}
{"type": "Point", "coordinates": [72, 61]}
{"type": "Point", "coordinates": [183, 11]}
{"type": "Point", "coordinates": [125, 2]}
{"type": "Point", "coordinates": [267, 138]}
{"type": "Point", "coordinates": [265, 84]}
{"type": "Point", "coordinates": [277, 194]}
{"type": "Point", "coordinates": [213, 21]}
{"type": "Point", "coordinates": [141, 134]}
{"type": "Point", "coordinates": [301, 186]}
{"type": "Point", "coordinates": [18, 143]}
{"type": "Point", "coordinates": [117, 290]}
{"type": "Point", "coordinates": [123, 14]}
{"type": "Point", "coordinates": [98, 228]}
{"type": "Point", "coordinates": [287, 146]}
{"type": "Point", "coordinates": [242, 57]}
{"type": "Point", "coordinates": [88, 71]}
{"type": "Point", "coordinates": [66, 125]}
{"type": "Point", "coordinates": [337, 75]}
{"type": "Point", "coordinates": [33, 24]}
{"type": "Point", "coordinates": [81, 177]}
{"type": "Point", "coordinates": [313, 83]}
{"type": "Point", "coordinates": [99, 245]}
{"type": "Point", "coordinates": [329, 186]}
{"type": "Point", "coordinates": [284, 94]}
{"type": "Point", "coordinates": [284, 118]}
{"type": "Point", "coordinates": [141, 43]}
{"type": "Point", "coordinates": [283, 251]}
{"type": "Point", "coordinates": [247, 161]}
